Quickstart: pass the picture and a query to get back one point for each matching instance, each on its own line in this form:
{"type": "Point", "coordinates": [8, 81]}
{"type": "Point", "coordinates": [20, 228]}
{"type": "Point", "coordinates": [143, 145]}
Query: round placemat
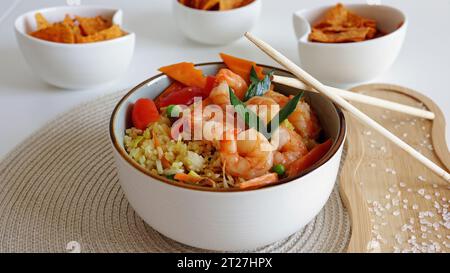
{"type": "Point", "coordinates": [59, 192]}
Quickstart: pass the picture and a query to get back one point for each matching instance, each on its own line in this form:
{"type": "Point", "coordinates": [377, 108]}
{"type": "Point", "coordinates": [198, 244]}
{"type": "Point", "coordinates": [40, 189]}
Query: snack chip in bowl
{"type": "Point", "coordinates": [340, 25]}
{"type": "Point", "coordinates": [342, 46]}
{"type": "Point", "coordinates": [75, 47]}
{"type": "Point", "coordinates": [218, 5]}
{"type": "Point", "coordinates": [76, 30]}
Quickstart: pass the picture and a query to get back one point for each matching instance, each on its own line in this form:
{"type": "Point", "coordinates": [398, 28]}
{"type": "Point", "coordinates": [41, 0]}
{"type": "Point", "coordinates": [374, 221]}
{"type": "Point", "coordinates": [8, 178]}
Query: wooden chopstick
{"type": "Point", "coordinates": [351, 96]}
{"type": "Point", "coordinates": [314, 83]}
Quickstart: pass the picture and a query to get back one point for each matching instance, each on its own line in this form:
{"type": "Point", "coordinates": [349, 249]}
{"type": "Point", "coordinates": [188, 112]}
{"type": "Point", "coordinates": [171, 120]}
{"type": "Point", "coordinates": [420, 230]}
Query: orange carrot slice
{"type": "Point", "coordinates": [186, 73]}
{"type": "Point", "coordinates": [187, 178]}
{"type": "Point", "coordinates": [259, 182]}
{"type": "Point", "coordinates": [165, 163]}
{"type": "Point", "coordinates": [241, 67]}
{"type": "Point", "coordinates": [309, 159]}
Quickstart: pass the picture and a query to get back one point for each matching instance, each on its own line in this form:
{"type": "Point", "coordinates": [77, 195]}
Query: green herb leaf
{"type": "Point", "coordinates": [253, 120]}
{"type": "Point", "coordinates": [250, 117]}
{"type": "Point", "coordinates": [258, 87]}
{"type": "Point", "coordinates": [253, 75]}
{"type": "Point", "coordinates": [284, 113]}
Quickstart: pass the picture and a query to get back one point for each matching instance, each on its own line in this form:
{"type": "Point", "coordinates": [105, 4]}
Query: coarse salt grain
{"type": "Point", "coordinates": [374, 246]}
{"type": "Point", "coordinates": [396, 213]}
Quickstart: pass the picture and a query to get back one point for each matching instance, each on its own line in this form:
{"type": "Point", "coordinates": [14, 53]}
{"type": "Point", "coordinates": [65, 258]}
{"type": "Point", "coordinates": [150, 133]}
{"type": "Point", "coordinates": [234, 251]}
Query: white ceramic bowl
{"type": "Point", "coordinates": [216, 27]}
{"type": "Point", "coordinates": [350, 63]}
{"type": "Point", "coordinates": [75, 66]}
{"type": "Point", "coordinates": [226, 221]}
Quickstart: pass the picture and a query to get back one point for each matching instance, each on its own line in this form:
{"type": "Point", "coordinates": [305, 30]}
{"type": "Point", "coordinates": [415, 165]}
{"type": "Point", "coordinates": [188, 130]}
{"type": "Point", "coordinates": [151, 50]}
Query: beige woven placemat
{"type": "Point", "coordinates": [59, 190]}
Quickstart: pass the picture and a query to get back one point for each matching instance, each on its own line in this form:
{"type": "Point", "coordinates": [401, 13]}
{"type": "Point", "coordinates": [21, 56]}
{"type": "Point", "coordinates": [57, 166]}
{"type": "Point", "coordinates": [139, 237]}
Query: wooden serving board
{"type": "Point", "coordinates": [395, 203]}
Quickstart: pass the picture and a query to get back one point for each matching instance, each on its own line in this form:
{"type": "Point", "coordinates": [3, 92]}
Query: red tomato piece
{"type": "Point", "coordinates": [144, 112]}
{"type": "Point", "coordinates": [184, 96]}
{"type": "Point", "coordinates": [174, 87]}
{"type": "Point", "coordinates": [209, 86]}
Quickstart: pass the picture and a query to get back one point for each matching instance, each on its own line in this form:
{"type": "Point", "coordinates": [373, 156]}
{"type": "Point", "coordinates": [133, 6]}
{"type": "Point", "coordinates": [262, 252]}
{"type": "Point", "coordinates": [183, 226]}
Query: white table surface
{"type": "Point", "coordinates": [26, 103]}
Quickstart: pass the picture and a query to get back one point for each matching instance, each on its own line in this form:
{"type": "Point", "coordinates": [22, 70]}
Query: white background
{"type": "Point", "coordinates": [26, 103]}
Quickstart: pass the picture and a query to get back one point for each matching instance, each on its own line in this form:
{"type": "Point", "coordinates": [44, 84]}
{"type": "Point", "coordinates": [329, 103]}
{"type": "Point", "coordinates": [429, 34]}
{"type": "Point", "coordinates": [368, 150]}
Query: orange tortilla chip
{"type": "Point", "coordinates": [209, 4]}
{"type": "Point", "coordinates": [346, 36]}
{"type": "Point", "coordinates": [77, 33]}
{"type": "Point", "coordinates": [107, 34]}
{"type": "Point", "coordinates": [246, 2]}
{"type": "Point", "coordinates": [41, 22]}
{"type": "Point", "coordinates": [69, 21]}
{"type": "Point", "coordinates": [196, 4]}
{"type": "Point", "coordinates": [215, 4]}
{"type": "Point", "coordinates": [340, 25]}
{"type": "Point", "coordinates": [229, 4]}
{"type": "Point", "coordinates": [90, 26]}
{"type": "Point", "coordinates": [78, 30]}
{"type": "Point", "coordinates": [185, 2]}
{"type": "Point", "coordinates": [59, 33]}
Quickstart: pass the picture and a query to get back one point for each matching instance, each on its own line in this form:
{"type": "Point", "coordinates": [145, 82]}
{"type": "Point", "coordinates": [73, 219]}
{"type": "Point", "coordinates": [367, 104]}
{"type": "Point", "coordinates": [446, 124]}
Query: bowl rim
{"type": "Point", "coordinates": [403, 26]}
{"type": "Point", "coordinates": [255, 2]}
{"type": "Point", "coordinates": [129, 35]}
{"type": "Point", "coordinates": [337, 144]}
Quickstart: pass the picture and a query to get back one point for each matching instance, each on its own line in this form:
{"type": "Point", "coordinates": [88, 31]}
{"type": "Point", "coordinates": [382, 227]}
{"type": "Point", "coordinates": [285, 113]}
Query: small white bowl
{"type": "Point", "coordinates": [350, 63]}
{"type": "Point", "coordinates": [216, 27]}
{"type": "Point", "coordinates": [226, 221]}
{"type": "Point", "coordinates": [75, 66]}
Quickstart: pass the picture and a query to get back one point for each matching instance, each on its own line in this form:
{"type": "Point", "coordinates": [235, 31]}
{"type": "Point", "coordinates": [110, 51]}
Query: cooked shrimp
{"type": "Point", "coordinates": [220, 95]}
{"type": "Point", "coordinates": [290, 147]}
{"type": "Point", "coordinates": [277, 97]}
{"type": "Point", "coordinates": [247, 157]}
{"type": "Point", "coordinates": [236, 82]}
{"type": "Point", "coordinates": [305, 121]}
{"type": "Point", "coordinates": [267, 108]}
{"type": "Point", "coordinates": [303, 118]}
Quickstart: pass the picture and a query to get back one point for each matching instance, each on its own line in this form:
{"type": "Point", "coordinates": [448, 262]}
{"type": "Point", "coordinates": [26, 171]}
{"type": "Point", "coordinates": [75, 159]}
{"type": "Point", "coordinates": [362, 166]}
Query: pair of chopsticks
{"type": "Point", "coordinates": [328, 92]}
{"type": "Point", "coordinates": [351, 96]}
